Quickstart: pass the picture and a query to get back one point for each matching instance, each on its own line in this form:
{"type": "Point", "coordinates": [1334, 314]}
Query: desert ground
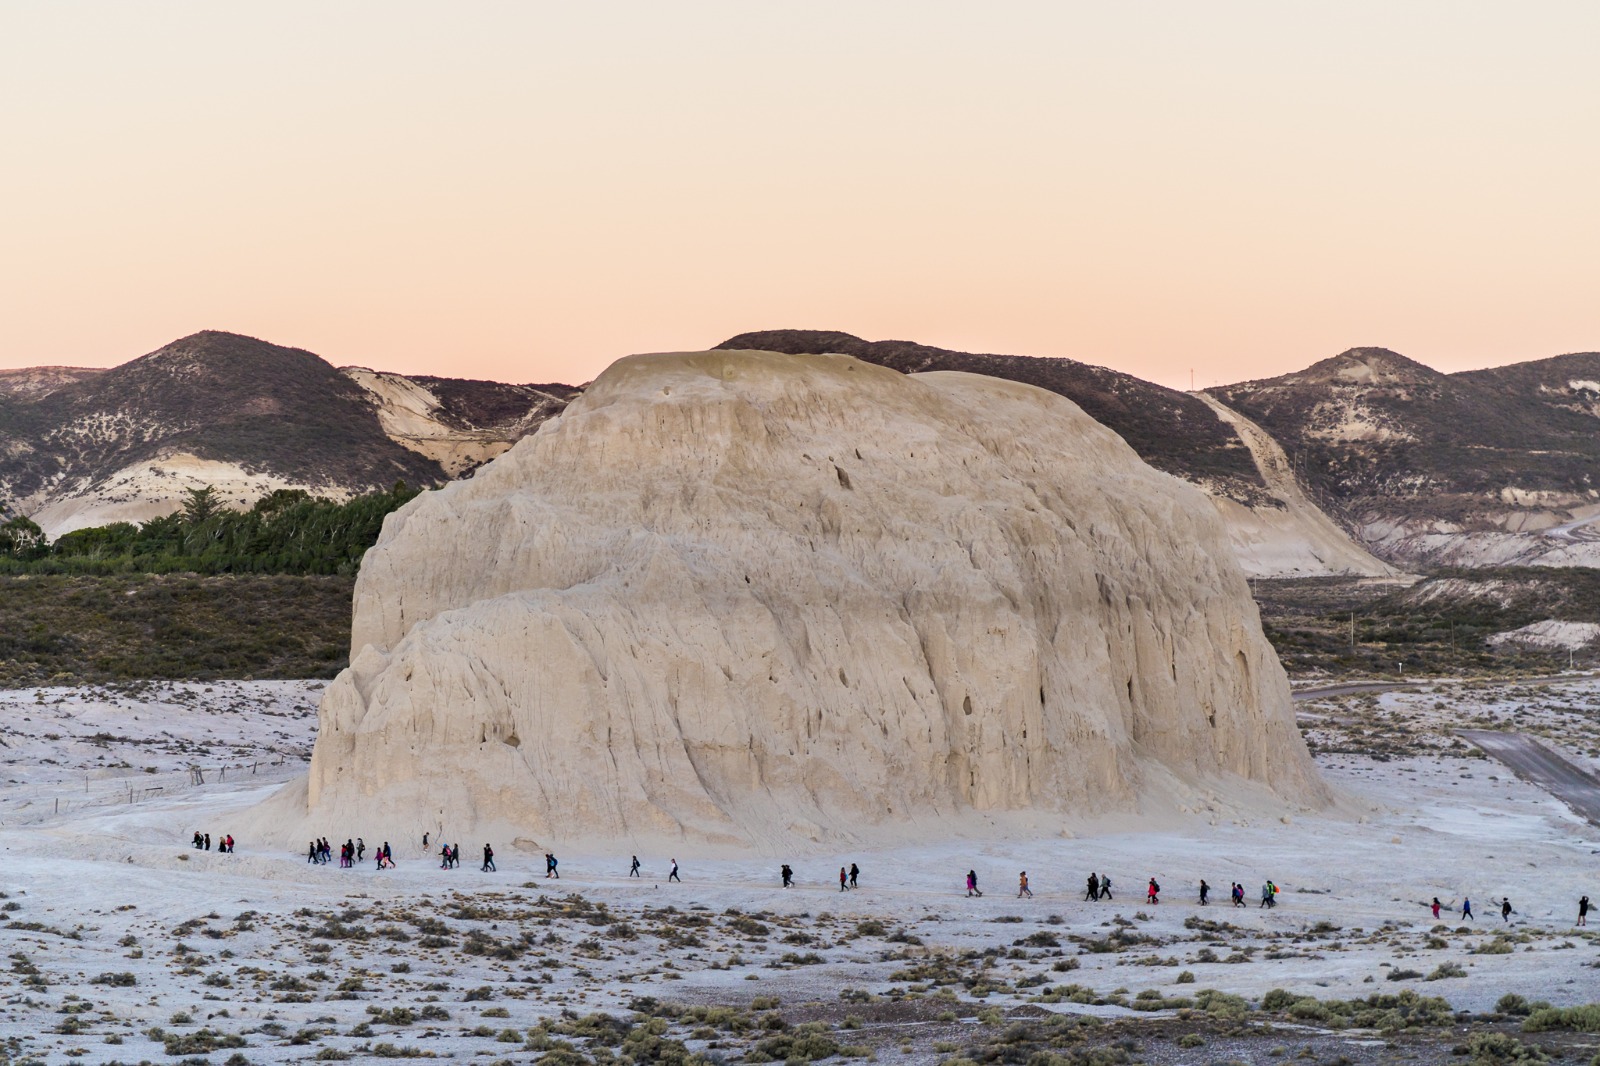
{"type": "Point", "coordinates": [124, 943]}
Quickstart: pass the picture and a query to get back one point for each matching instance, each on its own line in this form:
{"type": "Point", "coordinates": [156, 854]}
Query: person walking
{"type": "Point", "coordinates": [444, 856]}
{"type": "Point", "coordinates": [1105, 886]}
{"type": "Point", "coordinates": [633, 871]}
{"type": "Point", "coordinates": [1092, 893]}
{"type": "Point", "coordinates": [1266, 895]}
{"type": "Point", "coordinates": [1466, 908]}
{"type": "Point", "coordinates": [1238, 894]}
{"type": "Point", "coordinates": [1022, 886]}
{"type": "Point", "coordinates": [311, 851]}
{"type": "Point", "coordinates": [1435, 906]}
{"type": "Point", "coordinates": [208, 841]}
{"type": "Point", "coordinates": [488, 860]}
{"type": "Point", "coordinates": [844, 879]}
{"type": "Point", "coordinates": [1152, 892]}
{"type": "Point", "coordinates": [455, 855]}
{"type": "Point", "coordinates": [1505, 909]}
{"type": "Point", "coordinates": [1583, 911]}
{"type": "Point", "coordinates": [972, 884]}
{"type": "Point", "coordinates": [855, 872]}
{"type": "Point", "coordinates": [1205, 890]}
{"type": "Point", "coordinates": [673, 876]}
{"type": "Point", "coordinates": [361, 849]}
{"type": "Point", "coordinates": [788, 876]}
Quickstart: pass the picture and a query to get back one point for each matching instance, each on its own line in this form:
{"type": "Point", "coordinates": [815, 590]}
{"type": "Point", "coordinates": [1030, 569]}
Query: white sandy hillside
{"type": "Point", "coordinates": [1550, 633]}
{"type": "Point", "coordinates": [410, 415]}
{"type": "Point", "coordinates": [751, 598]}
{"type": "Point", "coordinates": [1295, 538]}
{"type": "Point", "coordinates": [152, 488]}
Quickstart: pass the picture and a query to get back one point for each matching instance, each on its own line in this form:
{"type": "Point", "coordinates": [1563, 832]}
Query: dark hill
{"type": "Point", "coordinates": [469, 404]}
{"type": "Point", "coordinates": [220, 396]}
{"type": "Point", "coordinates": [1170, 430]}
{"type": "Point", "coordinates": [1389, 435]}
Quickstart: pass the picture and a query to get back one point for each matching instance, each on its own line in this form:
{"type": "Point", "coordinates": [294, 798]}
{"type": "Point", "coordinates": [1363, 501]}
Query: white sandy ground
{"type": "Point", "coordinates": [104, 886]}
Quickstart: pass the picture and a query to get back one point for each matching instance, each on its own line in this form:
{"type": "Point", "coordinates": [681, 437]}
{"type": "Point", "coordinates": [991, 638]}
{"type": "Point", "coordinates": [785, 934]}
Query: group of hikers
{"type": "Point", "coordinates": [1097, 885]}
{"type": "Point", "coordinates": [320, 852]}
{"type": "Point", "coordinates": [202, 842]}
{"type": "Point", "coordinates": [1506, 910]}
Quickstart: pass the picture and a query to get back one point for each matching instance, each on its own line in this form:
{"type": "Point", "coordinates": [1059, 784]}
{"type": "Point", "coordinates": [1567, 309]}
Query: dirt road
{"type": "Point", "coordinates": [1351, 689]}
{"type": "Point", "coordinates": [1354, 687]}
{"type": "Point", "coordinates": [1538, 765]}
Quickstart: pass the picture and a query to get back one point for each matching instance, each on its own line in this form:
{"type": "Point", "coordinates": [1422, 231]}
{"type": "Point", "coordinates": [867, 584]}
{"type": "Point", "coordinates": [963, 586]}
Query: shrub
{"type": "Point", "coordinates": [1490, 1049]}
{"type": "Point", "coordinates": [1585, 1019]}
{"type": "Point", "coordinates": [120, 980]}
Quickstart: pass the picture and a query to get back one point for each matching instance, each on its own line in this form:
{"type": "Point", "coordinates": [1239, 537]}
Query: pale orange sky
{"type": "Point", "coordinates": [527, 191]}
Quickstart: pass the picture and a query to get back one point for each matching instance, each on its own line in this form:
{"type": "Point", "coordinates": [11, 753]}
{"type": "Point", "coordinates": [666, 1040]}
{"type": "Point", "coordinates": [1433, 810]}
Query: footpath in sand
{"type": "Point", "coordinates": [127, 944]}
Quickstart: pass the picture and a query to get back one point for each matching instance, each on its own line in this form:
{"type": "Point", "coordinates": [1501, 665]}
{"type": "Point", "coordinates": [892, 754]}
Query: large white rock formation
{"type": "Point", "coordinates": [743, 597]}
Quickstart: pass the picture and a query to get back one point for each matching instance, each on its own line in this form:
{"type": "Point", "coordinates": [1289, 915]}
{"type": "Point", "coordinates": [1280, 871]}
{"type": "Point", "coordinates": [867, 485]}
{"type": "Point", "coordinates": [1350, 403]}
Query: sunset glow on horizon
{"type": "Point", "coordinates": [526, 192]}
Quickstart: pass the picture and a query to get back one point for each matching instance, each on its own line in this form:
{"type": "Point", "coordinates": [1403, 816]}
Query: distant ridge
{"type": "Point", "coordinates": [1481, 467]}
{"type": "Point", "coordinates": [82, 447]}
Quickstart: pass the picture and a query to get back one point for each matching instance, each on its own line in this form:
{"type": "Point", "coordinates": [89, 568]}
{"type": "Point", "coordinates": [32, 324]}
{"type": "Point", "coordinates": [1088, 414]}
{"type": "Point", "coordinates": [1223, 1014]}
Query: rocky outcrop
{"type": "Point", "coordinates": [751, 598]}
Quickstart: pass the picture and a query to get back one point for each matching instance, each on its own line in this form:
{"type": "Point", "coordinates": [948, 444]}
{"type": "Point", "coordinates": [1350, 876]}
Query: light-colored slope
{"type": "Point", "coordinates": [32, 382]}
{"type": "Point", "coordinates": [409, 414]}
{"type": "Point", "coordinates": [152, 488]}
{"type": "Point", "coordinates": [755, 598]}
{"type": "Point", "coordinates": [1296, 539]}
{"type": "Point", "coordinates": [1559, 533]}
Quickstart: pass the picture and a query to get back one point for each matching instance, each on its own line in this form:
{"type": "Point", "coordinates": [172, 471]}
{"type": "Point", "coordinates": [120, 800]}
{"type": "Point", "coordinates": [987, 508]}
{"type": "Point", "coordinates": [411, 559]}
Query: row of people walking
{"type": "Point", "coordinates": [320, 852]}
{"type": "Point", "coordinates": [202, 842]}
{"type": "Point", "coordinates": [1097, 886]}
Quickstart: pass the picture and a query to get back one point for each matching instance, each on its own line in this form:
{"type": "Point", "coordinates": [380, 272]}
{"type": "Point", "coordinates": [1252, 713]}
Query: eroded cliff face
{"type": "Point", "coordinates": [747, 597]}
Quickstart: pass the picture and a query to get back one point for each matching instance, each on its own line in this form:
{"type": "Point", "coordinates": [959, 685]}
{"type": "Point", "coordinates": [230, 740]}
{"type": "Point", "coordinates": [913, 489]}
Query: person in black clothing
{"type": "Point", "coordinates": [855, 872]}
{"type": "Point", "coordinates": [673, 876]}
{"type": "Point", "coordinates": [1205, 890]}
{"type": "Point", "coordinates": [1505, 908]}
{"type": "Point", "coordinates": [208, 841]}
{"type": "Point", "coordinates": [1093, 892]}
{"type": "Point", "coordinates": [488, 858]}
{"type": "Point", "coordinates": [197, 841]}
{"type": "Point", "coordinates": [1583, 911]}
{"type": "Point", "coordinates": [633, 871]}
{"type": "Point", "coordinates": [788, 876]}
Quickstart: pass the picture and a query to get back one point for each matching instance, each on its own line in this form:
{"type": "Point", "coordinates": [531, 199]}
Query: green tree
{"type": "Point", "coordinates": [199, 505]}
{"type": "Point", "coordinates": [21, 538]}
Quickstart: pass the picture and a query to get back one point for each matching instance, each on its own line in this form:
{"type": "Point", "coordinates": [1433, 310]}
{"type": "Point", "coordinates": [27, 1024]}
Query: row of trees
{"type": "Point", "coordinates": [287, 532]}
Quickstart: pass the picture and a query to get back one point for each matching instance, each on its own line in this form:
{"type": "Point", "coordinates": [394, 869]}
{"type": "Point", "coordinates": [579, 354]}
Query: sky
{"type": "Point", "coordinates": [526, 191]}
